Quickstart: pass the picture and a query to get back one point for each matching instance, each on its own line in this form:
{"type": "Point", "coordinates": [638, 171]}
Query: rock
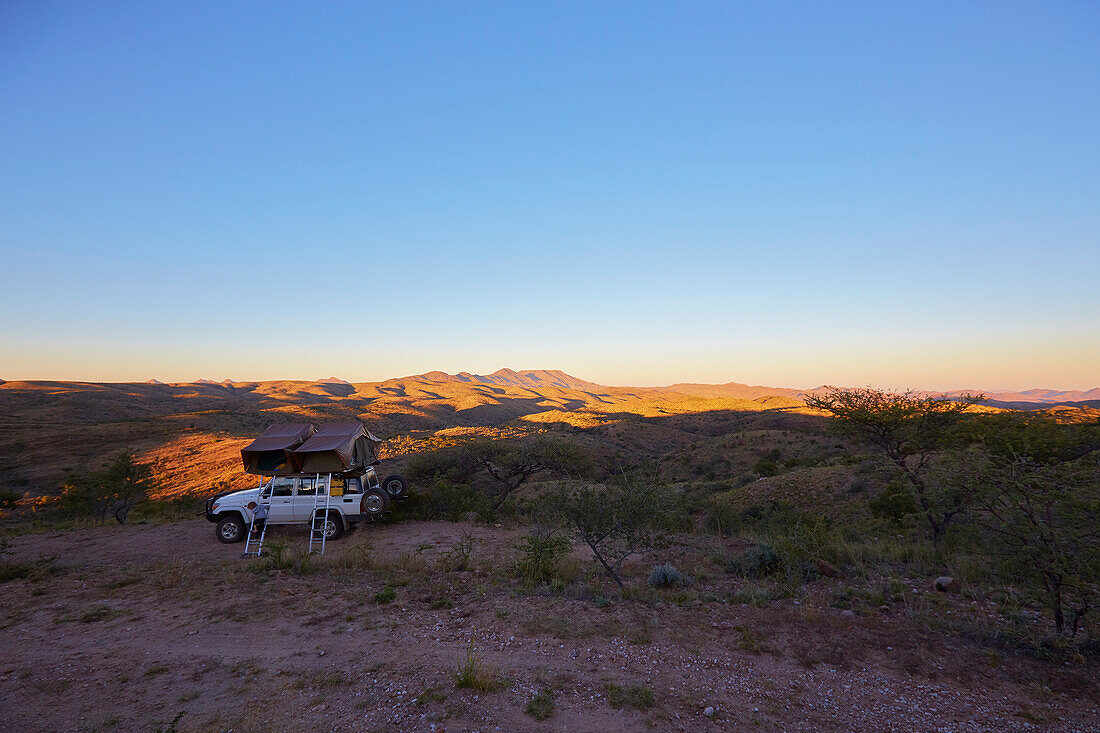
{"type": "Point", "coordinates": [708, 711]}
{"type": "Point", "coordinates": [944, 584]}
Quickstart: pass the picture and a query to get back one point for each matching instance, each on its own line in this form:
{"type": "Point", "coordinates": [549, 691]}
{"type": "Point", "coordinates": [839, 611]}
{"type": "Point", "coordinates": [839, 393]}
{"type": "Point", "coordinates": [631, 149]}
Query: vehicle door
{"type": "Point", "coordinates": [346, 493]}
{"type": "Point", "coordinates": [309, 487]}
{"type": "Point", "coordinates": [282, 500]}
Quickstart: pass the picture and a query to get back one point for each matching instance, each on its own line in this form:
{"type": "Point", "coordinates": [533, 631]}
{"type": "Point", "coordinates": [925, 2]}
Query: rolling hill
{"type": "Point", "coordinates": [193, 431]}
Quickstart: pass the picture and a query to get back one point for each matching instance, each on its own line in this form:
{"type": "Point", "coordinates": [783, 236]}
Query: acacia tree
{"type": "Point", "coordinates": [615, 521]}
{"type": "Point", "coordinates": [115, 490]}
{"type": "Point", "coordinates": [1037, 489]}
{"type": "Point", "coordinates": [910, 430]}
{"type": "Point", "coordinates": [508, 464]}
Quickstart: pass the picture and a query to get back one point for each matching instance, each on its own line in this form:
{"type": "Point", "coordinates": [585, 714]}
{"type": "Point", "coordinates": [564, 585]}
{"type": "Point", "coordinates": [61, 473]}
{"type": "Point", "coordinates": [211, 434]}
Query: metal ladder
{"type": "Point", "coordinates": [254, 545]}
{"type": "Point", "coordinates": [320, 514]}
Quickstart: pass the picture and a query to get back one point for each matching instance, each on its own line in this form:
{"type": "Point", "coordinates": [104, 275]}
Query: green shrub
{"type": "Point", "coordinates": [447, 500]}
{"type": "Point", "coordinates": [758, 561]}
{"type": "Point", "coordinates": [458, 557]}
{"type": "Point", "coordinates": [894, 503]}
{"type": "Point", "coordinates": [386, 595]}
{"type": "Point", "coordinates": [541, 553]}
{"type": "Point", "coordinates": [766, 467]}
{"type": "Point", "coordinates": [113, 491]}
{"type": "Point", "coordinates": [667, 576]}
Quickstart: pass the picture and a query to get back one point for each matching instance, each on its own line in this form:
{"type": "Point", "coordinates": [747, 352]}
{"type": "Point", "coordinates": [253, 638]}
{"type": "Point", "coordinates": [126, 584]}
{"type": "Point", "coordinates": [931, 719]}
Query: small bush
{"type": "Point", "coordinates": [386, 595]}
{"type": "Point", "coordinates": [667, 576]}
{"type": "Point", "coordinates": [766, 467]}
{"type": "Point", "coordinates": [541, 706]}
{"type": "Point", "coordinates": [894, 503]}
{"type": "Point", "coordinates": [9, 498]}
{"type": "Point", "coordinates": [447, 500]}
{"type": "Point", "coordinates": [458, 557]}
{"type": "Point", "coordinates": [759, 561]}
{"type": "Point", "coordinates": [540, 556]}
{"type": "Point", "coordinates": [638, 696]}
{"type": "Point", "coordinates": [113, 491]}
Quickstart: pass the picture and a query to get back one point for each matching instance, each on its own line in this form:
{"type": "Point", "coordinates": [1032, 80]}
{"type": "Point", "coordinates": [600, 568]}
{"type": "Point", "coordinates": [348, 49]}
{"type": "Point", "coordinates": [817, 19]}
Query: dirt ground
{"type": "Point", "coordinates": [160, 627]}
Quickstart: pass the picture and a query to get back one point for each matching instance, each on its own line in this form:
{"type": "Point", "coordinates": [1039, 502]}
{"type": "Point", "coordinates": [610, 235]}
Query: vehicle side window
{"type": "Point", "coordinates": [282, 486]}
{"type": "Point", "coordinates": [306, 487]}
{"type": "Point", "coordinates": [353, 487]}
{"type": "Point", "coordinates": [372, 479]}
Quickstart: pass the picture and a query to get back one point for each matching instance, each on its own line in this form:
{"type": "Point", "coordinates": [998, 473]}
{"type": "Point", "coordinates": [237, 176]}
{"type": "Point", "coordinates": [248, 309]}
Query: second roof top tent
{"type": "Point", "coordinates": [295, 448]}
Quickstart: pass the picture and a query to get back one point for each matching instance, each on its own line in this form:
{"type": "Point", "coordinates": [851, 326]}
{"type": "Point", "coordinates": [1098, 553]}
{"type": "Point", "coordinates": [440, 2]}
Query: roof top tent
{"type": "Point", "coordinates": [270, 454]}
{"type": "Point", "coordinates": [344, 447]}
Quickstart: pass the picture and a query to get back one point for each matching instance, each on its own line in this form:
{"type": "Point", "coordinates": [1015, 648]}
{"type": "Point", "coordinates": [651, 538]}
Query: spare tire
{"type": "Point", "coordinates": [375, 503]}
{"type": "Point", "coordinates": [395, 486]}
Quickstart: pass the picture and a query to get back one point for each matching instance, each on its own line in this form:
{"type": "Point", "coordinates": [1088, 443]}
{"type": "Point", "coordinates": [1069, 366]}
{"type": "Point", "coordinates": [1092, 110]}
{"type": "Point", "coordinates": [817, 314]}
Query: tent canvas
{"type": "Point", "coordinates": [336, 448]}
{"type": "Point", "coordinates": [270, 454]}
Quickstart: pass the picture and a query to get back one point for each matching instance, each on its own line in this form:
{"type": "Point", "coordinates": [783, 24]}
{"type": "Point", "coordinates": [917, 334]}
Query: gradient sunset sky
{"type": "Point", "coordinates": [896, 194]}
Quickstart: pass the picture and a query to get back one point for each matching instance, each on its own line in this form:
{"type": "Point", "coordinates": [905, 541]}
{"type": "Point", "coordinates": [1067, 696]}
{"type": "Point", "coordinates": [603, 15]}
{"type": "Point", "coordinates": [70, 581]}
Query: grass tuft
{"type": "Point", "coordinates": [637, 696]}
{"type": "Point", "coordinates": [541, 706]}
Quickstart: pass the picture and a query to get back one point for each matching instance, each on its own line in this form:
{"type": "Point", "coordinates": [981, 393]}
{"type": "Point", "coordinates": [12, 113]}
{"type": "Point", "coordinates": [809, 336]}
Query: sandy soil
{"type": "Point", "coordinates": [147, 624]}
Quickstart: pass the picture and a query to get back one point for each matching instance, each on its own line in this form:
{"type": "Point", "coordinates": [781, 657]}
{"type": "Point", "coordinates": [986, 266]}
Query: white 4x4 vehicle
{"type": "Point", "coordinates": [294, 499]}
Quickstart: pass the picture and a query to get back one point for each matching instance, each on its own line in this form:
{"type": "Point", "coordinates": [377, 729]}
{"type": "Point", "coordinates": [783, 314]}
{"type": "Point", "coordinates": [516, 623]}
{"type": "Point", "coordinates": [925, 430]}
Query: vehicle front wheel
{"type": "Point", "coordinates": [375, 503]}
{"type": "Point", "coordinates": [230, 529]}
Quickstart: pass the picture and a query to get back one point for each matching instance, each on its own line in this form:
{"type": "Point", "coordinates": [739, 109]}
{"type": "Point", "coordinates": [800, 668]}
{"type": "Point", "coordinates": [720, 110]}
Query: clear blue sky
{"type": "Point", "coordinates": [899, 194]}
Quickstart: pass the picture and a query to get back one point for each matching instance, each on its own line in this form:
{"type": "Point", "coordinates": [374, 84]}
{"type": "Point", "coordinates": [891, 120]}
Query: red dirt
{"type": "Point", "coordinates": [147, 622]}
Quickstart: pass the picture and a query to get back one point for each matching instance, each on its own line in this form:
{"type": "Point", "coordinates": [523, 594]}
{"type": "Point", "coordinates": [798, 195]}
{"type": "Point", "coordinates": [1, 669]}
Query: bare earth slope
{"type": "Point", "coordinates": [146, 624]}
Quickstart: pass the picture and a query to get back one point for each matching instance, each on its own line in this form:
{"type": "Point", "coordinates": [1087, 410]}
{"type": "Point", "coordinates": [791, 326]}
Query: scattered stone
{"type": "Point", "coordinates": [708, 711]}
{"type": "Point", "coordinates": [944, 584]}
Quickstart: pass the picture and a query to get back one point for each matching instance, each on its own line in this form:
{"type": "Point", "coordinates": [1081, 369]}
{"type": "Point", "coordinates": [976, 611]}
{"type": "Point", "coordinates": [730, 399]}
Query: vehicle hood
{"type": "Point", "coordinates": [240, 498]}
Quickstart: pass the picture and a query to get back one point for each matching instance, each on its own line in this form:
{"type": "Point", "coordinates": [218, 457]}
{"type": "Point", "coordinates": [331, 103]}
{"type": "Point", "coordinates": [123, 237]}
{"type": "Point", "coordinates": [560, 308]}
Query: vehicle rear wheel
{"type": "Point", "coordinates": [395, 486]}
{"type": "Point", "coordinates": [230, 529]}
{"type": "Point", "coordinates": [333, 526]}
{"type": "Point", "coordinates": [375, 503]}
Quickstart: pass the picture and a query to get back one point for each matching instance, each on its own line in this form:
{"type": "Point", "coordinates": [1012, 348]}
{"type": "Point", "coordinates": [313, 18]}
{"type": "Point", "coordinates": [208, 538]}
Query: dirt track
{"type": "Point", "coordinates": [146, 623]}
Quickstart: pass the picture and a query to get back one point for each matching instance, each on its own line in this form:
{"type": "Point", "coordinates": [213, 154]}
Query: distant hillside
{"type": "Point", "coordinates": [528, 378]}
{"type": "Point", "coordinates": [733, 389]}
{"type": "Point", "coordinates": [1033, 399]}
{"type": "Point", "coordinates": [193, 431]}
